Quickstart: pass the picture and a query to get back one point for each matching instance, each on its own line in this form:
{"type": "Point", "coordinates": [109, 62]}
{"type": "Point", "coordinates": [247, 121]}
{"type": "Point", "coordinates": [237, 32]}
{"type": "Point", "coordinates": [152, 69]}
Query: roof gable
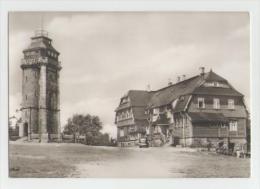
{"type": "Point", "coordinates": [226, 89]}
{"type": "Point", "coordinates": [212, 76]}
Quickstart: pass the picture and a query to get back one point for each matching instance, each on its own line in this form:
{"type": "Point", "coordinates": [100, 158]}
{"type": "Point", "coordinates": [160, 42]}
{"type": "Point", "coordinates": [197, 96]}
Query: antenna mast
{"type": "Point", "coordinates": [41, 31]}
{"type": "Point", "coordinates": [42, 22]}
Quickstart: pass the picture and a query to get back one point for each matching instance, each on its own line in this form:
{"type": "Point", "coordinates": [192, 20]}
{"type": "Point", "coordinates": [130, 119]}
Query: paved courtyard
{"type": "Point", "coordinates": [76, 160]}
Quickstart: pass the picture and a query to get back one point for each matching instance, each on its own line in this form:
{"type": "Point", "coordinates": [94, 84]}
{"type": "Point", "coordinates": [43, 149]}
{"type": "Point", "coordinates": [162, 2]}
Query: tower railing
{"type": "Point", "coordinates": [38, 60]}
{"type": "Point", "coordinates": [39, 33]}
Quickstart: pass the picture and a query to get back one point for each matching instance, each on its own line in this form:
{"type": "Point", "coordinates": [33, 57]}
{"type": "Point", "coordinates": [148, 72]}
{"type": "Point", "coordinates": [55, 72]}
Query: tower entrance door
{"type": "Point", "coordinates": [25, 129]}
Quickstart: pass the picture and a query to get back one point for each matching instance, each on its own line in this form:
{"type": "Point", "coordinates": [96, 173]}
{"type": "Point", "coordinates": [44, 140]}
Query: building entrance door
{"type": "Point", "coordinates": [25, 129]}
{"type": "Point", "coordinates": [176, 141]}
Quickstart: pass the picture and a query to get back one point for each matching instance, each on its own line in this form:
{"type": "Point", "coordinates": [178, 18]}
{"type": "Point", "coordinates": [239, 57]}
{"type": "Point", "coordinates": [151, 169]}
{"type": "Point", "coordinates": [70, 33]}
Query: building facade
{"type": "Point", "coordinates": [194, 112]}
{"type": "Point", "coordinates": [40, 90]}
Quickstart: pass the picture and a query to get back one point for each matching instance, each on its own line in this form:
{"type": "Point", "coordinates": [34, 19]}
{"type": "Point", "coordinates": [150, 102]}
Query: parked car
{"type": "Point", "coordinates": [143, 143]}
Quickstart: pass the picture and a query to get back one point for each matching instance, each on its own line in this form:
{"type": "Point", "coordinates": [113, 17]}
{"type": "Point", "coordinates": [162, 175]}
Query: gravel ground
{"type": "Point", "coordinates": [76, 160]}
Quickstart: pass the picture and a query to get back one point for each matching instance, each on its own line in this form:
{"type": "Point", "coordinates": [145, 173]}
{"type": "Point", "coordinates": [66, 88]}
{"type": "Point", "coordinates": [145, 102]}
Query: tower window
{"type": "Point", "coordinates": [25, 97]}
{"type": "Point", "coordinates": [26, 78]}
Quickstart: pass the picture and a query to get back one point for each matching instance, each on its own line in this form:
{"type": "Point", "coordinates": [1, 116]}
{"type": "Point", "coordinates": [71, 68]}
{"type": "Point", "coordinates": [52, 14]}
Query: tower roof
{"type": "Point", "coordinates": [40, 41]}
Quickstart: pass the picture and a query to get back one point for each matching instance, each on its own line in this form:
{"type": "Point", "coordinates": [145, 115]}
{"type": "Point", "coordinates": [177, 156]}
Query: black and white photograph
{"type": "Point", "coordinates": [147, 94]}
{"type": "Point", "coordinates": [129, 94]}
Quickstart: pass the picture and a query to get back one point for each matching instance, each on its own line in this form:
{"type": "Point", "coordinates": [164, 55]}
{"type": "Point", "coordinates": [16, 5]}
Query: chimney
{"type": "Point", "coordinates": [183, 77]}
{"type": "Point", "coordinates": [169, 82]}
{"type": "Point", "coordinates": [148, 88]}
{"type": "Point", "coordinates": [202, 71]}
{"type": "Point", "coordinates": [178, 79]}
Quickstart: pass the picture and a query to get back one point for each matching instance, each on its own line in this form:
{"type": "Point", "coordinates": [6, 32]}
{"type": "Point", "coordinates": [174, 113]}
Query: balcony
{"type": "Point", "coordinates": [35, 60]}
{"type": "Point", "coordinates": [40, 60]}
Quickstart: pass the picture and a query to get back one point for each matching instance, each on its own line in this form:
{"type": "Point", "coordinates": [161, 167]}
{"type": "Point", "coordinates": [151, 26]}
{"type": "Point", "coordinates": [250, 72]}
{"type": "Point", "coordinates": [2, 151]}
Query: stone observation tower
{"type": "Point", "coordinates": [40, 90]}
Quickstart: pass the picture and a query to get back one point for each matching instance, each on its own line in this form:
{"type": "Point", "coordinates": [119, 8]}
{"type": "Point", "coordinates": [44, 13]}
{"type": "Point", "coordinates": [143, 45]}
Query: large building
{"type": "Point", "coordinates": [40, 90]}
{"type": "Point", "coordinates": [192, 112]}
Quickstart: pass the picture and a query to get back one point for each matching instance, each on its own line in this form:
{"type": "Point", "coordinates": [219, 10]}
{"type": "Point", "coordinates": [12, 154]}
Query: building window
{"type": "Point", "coordinates": [26, 78]}
{"type": "Point", "coordinates": [131, 113]}
{"type": "Point", "coordinates": [127, 114]}
{"type": "Point", "coordinates": [216, 103]}
{"type": "Point", "coordinates": [233, 126]}
{"type": "Point", "coordinates": [121, 132]}
{"type": "Point", "coordinates": [231, 104]}
{"type": "Point", "coordinates": [201, 103]}
{"type": "Point", "coordinates": [25, 97]}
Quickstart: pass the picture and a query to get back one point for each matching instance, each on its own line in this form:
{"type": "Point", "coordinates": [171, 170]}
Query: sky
{"type": "Point", "coordinates": [105, 54]}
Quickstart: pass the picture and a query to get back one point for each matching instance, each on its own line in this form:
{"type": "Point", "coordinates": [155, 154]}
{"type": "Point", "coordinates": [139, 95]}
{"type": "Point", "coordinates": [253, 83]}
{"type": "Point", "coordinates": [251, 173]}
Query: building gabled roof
{"type": "Point", "coordinates": [181, 92]}
{"type": "Point", "coordinates": [189, 86]}
{"type": "Point", "coordinates": [139, 97]}
{"type": "Point", "coordinates": [166, 95]}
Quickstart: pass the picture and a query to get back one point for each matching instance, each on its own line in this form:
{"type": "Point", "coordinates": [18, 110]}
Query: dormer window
{"type": "Point", "coordinates": [201, 103]}
{"type": "Point", "coordinates": [231, 104]}
{"type": "Point", "coordinates": [124, 100]}
{"type": "Point", "coordinates": [216, 84]}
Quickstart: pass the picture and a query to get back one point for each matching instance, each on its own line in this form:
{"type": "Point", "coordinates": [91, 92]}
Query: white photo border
{"type": "Point", "coordinates": [251, 6]}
